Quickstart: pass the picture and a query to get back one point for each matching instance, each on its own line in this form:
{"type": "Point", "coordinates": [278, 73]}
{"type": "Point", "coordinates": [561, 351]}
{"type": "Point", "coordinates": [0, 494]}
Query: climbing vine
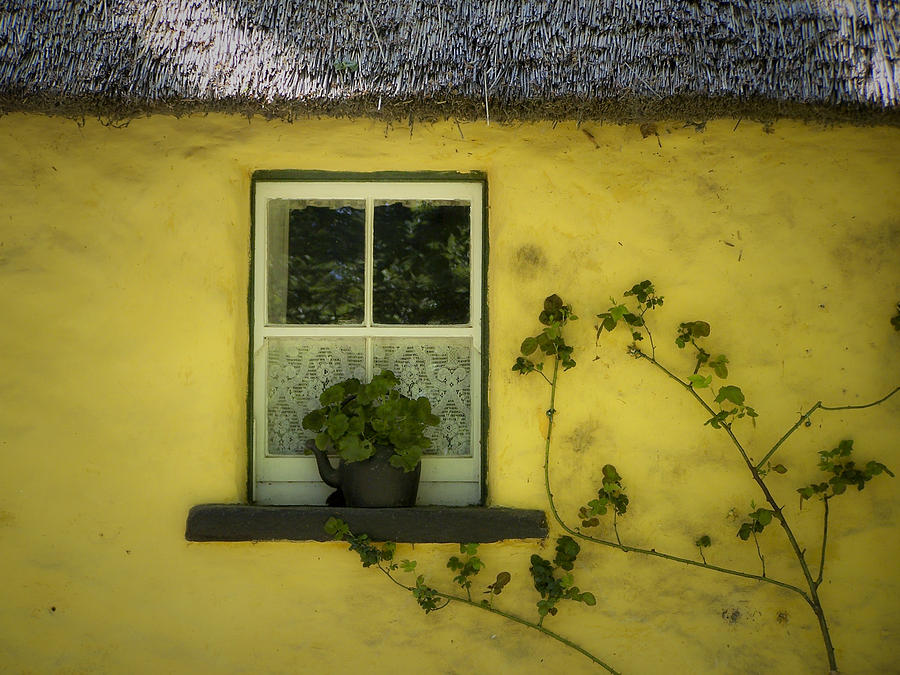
{"type": "Point", "coordinates": [725, 406]}
{"type": "Point", "coordinates": [553, 580]}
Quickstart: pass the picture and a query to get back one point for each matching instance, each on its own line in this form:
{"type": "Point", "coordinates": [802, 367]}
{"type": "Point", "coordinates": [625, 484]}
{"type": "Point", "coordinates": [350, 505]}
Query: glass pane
{"type": "Point", "coordinates": [297, 371]}
{"type": "Point", "coordinates": [316, 261]}
{"type": "Point", "coordinates": [421, 262]}
{"type": "Point", "coordinates": [440, 370]}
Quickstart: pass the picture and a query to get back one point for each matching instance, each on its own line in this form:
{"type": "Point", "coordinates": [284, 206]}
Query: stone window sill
{"type": "Point", "coordinates": [420, 524]}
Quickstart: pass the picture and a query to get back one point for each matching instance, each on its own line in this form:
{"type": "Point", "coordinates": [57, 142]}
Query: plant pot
{"type": "Point", "coordinates": [373, 482]}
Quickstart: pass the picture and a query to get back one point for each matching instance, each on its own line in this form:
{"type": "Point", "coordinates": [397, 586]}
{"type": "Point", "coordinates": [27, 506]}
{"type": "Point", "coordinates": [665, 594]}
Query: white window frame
{"type": "Point", "coordinates": [294, 479]}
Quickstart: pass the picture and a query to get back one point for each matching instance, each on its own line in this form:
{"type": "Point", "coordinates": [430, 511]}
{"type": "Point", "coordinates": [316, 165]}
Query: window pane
{"type": "Point", "coordinates": [297, 371]}
{"type": "Point", "coordinates": [440, 370]}
{"type": "Point", "coordinates": [421, 271]}
{"type": "Point", "coordinates": [316, 262]}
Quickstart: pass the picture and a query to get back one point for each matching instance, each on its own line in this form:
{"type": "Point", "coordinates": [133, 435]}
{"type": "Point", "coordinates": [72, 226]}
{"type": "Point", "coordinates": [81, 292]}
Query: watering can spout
{"type": "Point", "coordinates": [328, 473]}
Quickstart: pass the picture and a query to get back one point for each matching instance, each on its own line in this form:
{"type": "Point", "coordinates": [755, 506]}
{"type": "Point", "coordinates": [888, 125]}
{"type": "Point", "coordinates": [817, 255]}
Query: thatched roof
{"type": "Point", "coordinates": [552, 59]}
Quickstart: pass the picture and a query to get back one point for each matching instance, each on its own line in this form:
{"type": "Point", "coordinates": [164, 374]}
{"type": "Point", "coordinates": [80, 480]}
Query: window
{"type": "Point", "coordinates": [352, 275]}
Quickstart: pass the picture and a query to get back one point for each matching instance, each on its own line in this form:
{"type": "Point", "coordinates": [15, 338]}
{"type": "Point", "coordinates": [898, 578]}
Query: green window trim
{"type": "Point", "coordinates": [270, 176]}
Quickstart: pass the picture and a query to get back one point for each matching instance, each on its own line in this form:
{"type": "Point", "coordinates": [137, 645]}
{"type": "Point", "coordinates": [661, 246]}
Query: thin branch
{"type": "Point", "coordinates": [759, 553]}
{"type": "Point", "coordinates": [813, 596]}
{"type": "Point", "coordinates": [824, 541]}
{"type": "Point", "coordinates": [866, 405]}
{"type": "Point", "coordinates": [803, 418]}
{"type": "Point", "coordinates": [649, 334]}
{"type": "Point", "coordinates": [549, 436]}
{"type": "Point", "coordinates": [450, 597]}
{"type": "Point", "coordinates": [686, 561]}
{"type": "Point", "coordinates": [535, 626]}
{"type": "Point", "coordinates": [809, 412]}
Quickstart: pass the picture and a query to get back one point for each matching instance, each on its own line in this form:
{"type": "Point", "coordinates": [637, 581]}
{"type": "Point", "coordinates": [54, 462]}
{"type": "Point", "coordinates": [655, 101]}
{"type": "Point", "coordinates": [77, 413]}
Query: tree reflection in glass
{"type": "Point", "coordinates": [316, 262]}
{"type": "Point", "coordinates": [421, 254]}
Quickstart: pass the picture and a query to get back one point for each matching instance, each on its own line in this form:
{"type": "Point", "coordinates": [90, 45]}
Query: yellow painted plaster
{"type": "Point", "coordinates": [123, 368]}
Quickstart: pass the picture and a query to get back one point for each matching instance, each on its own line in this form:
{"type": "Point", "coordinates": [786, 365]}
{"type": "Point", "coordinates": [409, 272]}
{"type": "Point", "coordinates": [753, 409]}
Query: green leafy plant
{"type": "Point", "coordinates": [554, 587]}
{"type": "Point", "coordinates": [549, 341]}
{"type": "Point", "coordinates": [611, 497]}
{"type": "Point", "coordinates": [466, 568]}
{"type": "Point", "coordinates": [554, 581]}
{"type": "Point", "coordinates": [646, 298]}
{"type": "Point", "coordinates": [844, 473]}
{"type": "Point", "coordinates": [724, 407]}
{"type": "Point", "coordinates": [355, 418]}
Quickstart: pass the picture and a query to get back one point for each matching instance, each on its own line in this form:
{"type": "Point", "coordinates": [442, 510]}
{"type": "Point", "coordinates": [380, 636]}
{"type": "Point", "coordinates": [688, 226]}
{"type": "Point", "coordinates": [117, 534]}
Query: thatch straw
{"type": "Point", "coordinates": [620, 59]}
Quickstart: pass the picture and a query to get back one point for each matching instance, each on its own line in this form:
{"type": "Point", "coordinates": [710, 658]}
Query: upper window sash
{"type": "Point", "coordinates": [370, 193]}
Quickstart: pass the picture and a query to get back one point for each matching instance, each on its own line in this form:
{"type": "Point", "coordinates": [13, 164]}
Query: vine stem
{"type": "Point", "coordinates": [805, 416]}
{"type": "Point", "coordinates": [450, 597]}
{"type": "Point", "coordinates": [634, 549]}
{"type": "Point", "coordinates": [824, 541]}
{"type": "Point", "coordinates": [759, 554]}
{"type": "Point", "coordinates": [813, 595]}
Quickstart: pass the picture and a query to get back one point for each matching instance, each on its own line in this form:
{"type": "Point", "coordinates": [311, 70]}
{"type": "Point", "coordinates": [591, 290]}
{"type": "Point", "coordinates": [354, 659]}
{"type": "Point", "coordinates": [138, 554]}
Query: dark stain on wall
{"type": "Point", "coordinates": [529, 259]}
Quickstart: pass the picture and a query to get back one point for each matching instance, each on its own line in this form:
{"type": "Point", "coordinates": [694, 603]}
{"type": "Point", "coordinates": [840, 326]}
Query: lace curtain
{"type": "Point", "coordinates": [298, 369]}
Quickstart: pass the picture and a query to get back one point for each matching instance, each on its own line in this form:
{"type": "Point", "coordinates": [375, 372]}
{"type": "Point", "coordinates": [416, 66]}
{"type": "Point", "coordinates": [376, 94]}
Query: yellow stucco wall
{"type": "Point", "coordinates": [123, 285]}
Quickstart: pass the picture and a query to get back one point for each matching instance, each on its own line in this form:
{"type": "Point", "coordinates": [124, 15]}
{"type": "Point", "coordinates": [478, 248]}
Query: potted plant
{"type": "Point", "coordinates": [379, 436]}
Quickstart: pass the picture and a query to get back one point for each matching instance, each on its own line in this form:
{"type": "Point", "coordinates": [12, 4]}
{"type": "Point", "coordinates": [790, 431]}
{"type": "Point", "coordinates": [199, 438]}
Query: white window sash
{"type": "Point", "coordinates": [294, 479]}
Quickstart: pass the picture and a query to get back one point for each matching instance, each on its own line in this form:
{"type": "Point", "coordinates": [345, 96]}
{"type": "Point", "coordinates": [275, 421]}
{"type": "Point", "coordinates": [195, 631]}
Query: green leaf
{"type": "Point", "coordinates": [700, 329]}
{"type": "Point", "coordinates": [352, 449]}
{"type": "Point", "coordinates": [730, 393]}
{"type": "Point", "coordinates": [875, 468]}
{"type": "Point", "coordinates": [588, 599]}
{"type": "Point", "coordinates": [618, 312]}
{"type": "Point", "coordinates": [717, 420]}
{"type": "Point", "coordinates": [500, 582]}
{"type": "Point", "coordinates": [336, 527]}
{"type": "Point", "coordinates": [610, 473]}
{"type": "Point", "coordinates": [408, 565]}
{"type": "Point", "coordinates": [314, 420]}
{"type": "Point", "coordinates": [719, 367]}
{"type": "Point", "coordinates": [567, 550]}
{"type": "Point", "coordinates": [553, 303]}
{"type": "Point", "coordinates": [523, 366]}
{"type": "Point", "coordinates": [468, 549]}
{"type": "Point", "coordinates": [779, 468]}
{"type": "Point", "coordinates": [763, 516]}
{"type": "Point", "coordinates": [333, 394]}
{"type": "Point", "coordinates": [337, 425]}
{"type": "Point", "coordinates": [704, 541]}
{"type": "Point", "coordinates": [323, 442]}
{"type": "Point", "coordinates": [699, 382]}
{"type": "Point", "coordinates": [387, 550]}
{"type": "Point", "coordinates": [529, 344]}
